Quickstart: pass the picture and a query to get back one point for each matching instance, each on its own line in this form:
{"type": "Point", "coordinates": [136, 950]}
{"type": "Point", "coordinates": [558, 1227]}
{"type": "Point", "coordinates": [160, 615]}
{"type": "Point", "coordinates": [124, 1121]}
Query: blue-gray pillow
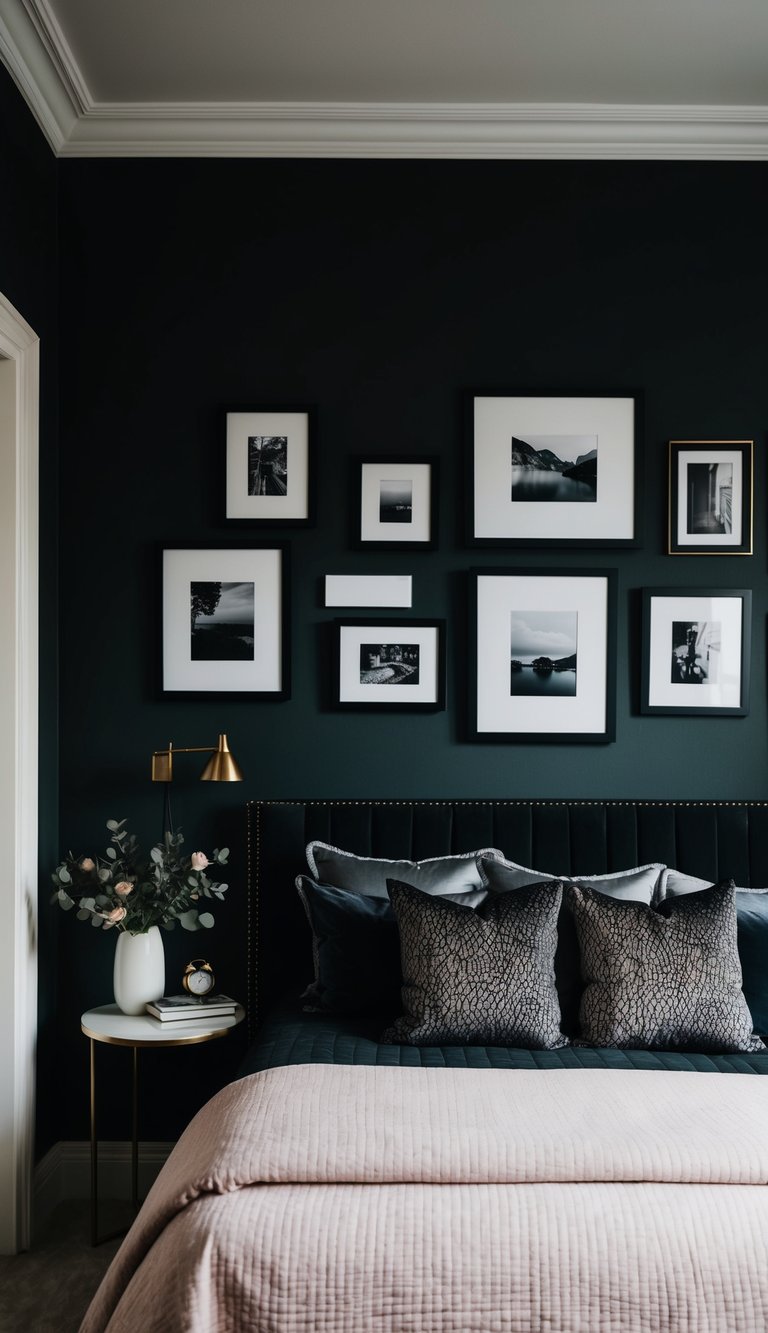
{"type": "Point", "coordinates": [662, 979]}
{"type": "Point", "coordinates": [368, 875]}
{"type": "Point", "coordinates": [752, 936]}
{"type": "Point", "coordinates": [482, 976]}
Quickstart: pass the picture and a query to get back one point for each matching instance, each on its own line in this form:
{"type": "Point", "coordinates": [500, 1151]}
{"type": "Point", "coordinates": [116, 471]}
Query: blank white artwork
{"type": "Point", "coordinates": [368, 590]}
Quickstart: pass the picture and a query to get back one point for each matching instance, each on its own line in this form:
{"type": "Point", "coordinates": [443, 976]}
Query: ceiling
{"type": "Point", "coordinates": [411, 78]}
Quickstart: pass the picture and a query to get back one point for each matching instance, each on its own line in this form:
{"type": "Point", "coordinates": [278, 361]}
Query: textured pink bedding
{"type": "Point", "coordinates": [327, 1199]}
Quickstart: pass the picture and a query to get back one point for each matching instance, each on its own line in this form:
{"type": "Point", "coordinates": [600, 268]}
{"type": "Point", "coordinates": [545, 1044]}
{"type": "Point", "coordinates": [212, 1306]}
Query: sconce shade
{"type": "Point", "coordinates": [221, 767]}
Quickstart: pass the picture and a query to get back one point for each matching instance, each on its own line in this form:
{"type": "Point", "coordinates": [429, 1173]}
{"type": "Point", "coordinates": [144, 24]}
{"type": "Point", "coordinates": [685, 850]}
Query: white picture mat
{"type": "Point", "coordinates": [610, 517]}
{"type": "Point", "coordinates": [352, 637]}
{"type": "Point", "coordinates": [261, 567]}
{"type": "Point", "coordinates": [725, 692]}
{"type": "Point", "coordinates": [368, 589]}
{"type": "Point", "coordinates": [499, 711]}
{"type": "Point", "coordinates": [686, 456]}
{"type": "Point", "coordinates": [371, 527]}
{"type": "Point", "coordinates": [295, 503]}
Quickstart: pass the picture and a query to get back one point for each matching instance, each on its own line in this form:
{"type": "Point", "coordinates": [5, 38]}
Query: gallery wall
{"type": "Point", "coordinates": [377, 292]}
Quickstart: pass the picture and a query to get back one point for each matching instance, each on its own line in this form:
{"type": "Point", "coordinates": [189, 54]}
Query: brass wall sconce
{"type": "Point", "coordinates": [221, 767]}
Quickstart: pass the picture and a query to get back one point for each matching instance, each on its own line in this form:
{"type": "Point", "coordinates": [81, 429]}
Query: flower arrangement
{"type": "Point", "coordinates": [132, 894]}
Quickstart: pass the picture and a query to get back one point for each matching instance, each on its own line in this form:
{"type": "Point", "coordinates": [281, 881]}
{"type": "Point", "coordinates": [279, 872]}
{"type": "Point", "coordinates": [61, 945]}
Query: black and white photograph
{"type": "Point", "coordinates": [267, 464]}
{"type": "Point", "coordinates": [543, 652]}
{"type": "Point", "coordinates": [695, 651]}
{"type": "Point", "coordinates": [225, 627]}
{"type": "Point", "coordinates": [710, 497]}
{"type": "Point", "coordinates": [543, 665]}
{"type": "Point", "coordinates": [270, 466]}
{"type": "Point", "coordinates": [555, 468]}
{"type": "Point", "coordinates": [396, 502]}
{"type": "Point", "coordinates": [559, 470]}
{"type": "Point", "coordinates": [222, 622]}
{"type": "Point", "coordinates": [388, 664]}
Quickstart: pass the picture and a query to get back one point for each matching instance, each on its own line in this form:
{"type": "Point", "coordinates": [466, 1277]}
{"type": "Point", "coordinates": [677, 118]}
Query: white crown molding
{"type": "Point", "coordinates": [34, 48]}
{"type": "Point", "coordinates": [446, 130]}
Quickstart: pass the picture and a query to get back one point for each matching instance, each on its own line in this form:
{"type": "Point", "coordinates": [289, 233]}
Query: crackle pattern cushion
{"type": "Point", "coordinates": [663, 979]}
{"type": "Point", "coordinates": [368, 875]}
{"type": "Point", "coordinates": [640, 884]}
{"type": "Point", "coordinates": [478, 977]}
{"type": "Point", "coordinates": [752, 935]}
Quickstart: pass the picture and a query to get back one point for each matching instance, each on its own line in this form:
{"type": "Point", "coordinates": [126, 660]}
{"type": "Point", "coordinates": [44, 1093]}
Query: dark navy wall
{"type": "Point", "coordinates": [29, 280]}
{"type": "Point", "coordinates": [377, 291]}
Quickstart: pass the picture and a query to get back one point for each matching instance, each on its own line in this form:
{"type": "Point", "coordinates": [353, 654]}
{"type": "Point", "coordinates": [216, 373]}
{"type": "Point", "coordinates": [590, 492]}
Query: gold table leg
{"type": "Point", "coordinates": [94, 1153]}
{"type": "Point", "coordinates": [135, 1138]}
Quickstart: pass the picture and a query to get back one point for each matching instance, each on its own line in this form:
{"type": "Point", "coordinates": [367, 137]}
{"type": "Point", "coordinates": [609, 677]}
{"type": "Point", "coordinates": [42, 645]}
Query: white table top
{"type": "Point", "coordinates": [109, 1024]}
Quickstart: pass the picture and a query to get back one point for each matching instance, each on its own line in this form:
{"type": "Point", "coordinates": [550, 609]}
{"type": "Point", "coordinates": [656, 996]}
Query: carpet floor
{"type": "Point", "coordinates": [49, 1288]}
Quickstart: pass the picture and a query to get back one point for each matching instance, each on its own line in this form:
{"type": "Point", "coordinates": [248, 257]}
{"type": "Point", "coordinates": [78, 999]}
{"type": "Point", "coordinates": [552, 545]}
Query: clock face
{"type": "Point", "coordinates": [199, 983]}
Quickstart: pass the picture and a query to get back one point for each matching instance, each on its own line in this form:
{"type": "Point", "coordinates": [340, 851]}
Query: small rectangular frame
{"type": "Point", "coordinates": [544, 661]}
{"type": "Point", "coordinates": [270, 466]}
{"type": "Point", "coordinates": [229, 589]}
{"type": "Point", "coordinates": [518, 491]}
{"type": "Point", "coordinates": [396, 503]}
{"type": "Point", "coordinates": [409, 675]}
{"type": "Point", "coordinates": [696, 651]}
{"type": "Point", "coordinates": [710, 497]}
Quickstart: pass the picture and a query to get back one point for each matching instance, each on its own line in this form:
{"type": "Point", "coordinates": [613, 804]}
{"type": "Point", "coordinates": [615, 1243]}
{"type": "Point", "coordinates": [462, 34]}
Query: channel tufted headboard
{"type": "Point", "coordinates": [711, 839]}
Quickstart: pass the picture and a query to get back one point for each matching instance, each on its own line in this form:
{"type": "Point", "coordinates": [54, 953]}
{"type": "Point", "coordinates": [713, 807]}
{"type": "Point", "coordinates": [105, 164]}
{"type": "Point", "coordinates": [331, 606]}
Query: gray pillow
{"type": "Point", "coordinates": [639, 884]}
{"type": "Point", "coordinates": [478, 977]}
{"type": "Point", "coordinates": [665, 979]}
{"type": "Point", "coordinates": [454, 875]}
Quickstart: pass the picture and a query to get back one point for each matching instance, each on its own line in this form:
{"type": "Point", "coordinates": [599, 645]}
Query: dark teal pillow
{"type": "Point", "coordinates": [752, 934]}
{"type": "Point", "coordinates": [356, 948]}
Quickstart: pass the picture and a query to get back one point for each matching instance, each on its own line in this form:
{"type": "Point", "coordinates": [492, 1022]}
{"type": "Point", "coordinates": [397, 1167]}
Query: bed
{"type": "Point", "coordinates": [352, 1180]}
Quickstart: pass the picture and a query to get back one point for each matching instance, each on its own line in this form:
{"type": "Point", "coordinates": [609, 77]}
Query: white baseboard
{"type": "Point", "coordinates": [65, 1173]}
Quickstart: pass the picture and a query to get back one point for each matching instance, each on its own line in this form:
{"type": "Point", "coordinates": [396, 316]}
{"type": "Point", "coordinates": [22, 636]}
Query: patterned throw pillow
{"type": "Point", "coordinates": [662, 979]}
{"type": "Point", "coordinates": [478, 977]}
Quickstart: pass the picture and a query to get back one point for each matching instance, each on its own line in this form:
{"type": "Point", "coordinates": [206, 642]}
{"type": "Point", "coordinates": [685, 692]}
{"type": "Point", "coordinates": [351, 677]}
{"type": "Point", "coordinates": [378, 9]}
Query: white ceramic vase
{"type": "Point", "coordinates": [139, 969]}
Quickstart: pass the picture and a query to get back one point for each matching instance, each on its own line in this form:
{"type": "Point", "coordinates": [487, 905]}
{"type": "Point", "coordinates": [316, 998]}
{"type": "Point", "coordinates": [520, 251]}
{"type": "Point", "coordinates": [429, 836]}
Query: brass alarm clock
{"type": "Point", "coordinates": [198, 979]}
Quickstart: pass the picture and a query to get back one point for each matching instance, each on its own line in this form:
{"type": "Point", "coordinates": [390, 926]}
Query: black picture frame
{"type": "Point", "coordinates": [186, 671]}
{"type": "Point", "coordinates": [413, 484]}
{"type": "Point", "coordinates": [294, 466]}
{"type": "Point", "coordinates": [524, 613]}
{"type": "Point", "coordinates": [598, 507]}
{"type": "Point", "coordinates": [696, 645]}
{"type": "Point", "coordinates": [711, 497]}
{"type": "Point", "coordinates": [421, 649]}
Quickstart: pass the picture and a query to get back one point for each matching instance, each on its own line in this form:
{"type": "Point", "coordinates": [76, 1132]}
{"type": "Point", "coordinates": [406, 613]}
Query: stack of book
{"type": "Point", "coordinates": [175, 1007]}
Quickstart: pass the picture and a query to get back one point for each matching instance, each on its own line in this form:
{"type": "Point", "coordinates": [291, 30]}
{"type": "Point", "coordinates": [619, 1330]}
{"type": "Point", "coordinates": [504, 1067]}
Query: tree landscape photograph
{"type": "Point", "coordinates": [543, 652]}
{"type": "Point", "coordinates": [554, 468]}
{"type": "Point", "coordinates": [222, 621]}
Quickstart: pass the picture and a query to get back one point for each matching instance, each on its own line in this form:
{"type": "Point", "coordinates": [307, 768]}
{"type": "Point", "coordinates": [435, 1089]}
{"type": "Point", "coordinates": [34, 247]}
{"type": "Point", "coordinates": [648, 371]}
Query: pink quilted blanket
{"type": "Point", "coordinates": [327, 1199]}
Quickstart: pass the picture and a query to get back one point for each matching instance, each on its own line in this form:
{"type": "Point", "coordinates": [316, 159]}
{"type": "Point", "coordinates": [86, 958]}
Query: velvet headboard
{"type": "Point", "coordinates": [711, 839]}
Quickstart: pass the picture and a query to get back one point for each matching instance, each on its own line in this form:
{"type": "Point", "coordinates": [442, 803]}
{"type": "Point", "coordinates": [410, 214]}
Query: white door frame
{"type": "Point", "coordinates": [19, 527]}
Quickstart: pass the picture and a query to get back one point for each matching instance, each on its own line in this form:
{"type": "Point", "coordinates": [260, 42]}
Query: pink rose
{"type": "Point", "coordinates": [115, 915]}
{"type": "Point", "coordinates": [87, 864]}
{"type": "Point", "coordinates": [199, 861]}
{"type": "Point", "coordinates": [123, 888]}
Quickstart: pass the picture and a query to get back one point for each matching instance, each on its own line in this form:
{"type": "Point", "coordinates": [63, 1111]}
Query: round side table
{"type": "Point", "coordinates": [110, 1025]}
